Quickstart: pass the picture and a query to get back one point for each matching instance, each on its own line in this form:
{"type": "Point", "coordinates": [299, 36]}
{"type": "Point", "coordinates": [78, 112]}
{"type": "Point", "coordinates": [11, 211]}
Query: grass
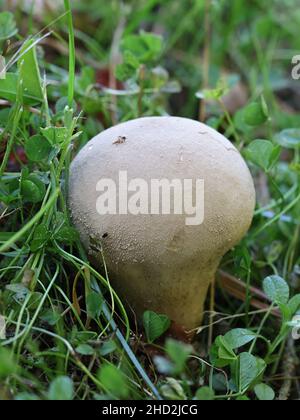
{"type": "Point", "coordinates": [67, 333]}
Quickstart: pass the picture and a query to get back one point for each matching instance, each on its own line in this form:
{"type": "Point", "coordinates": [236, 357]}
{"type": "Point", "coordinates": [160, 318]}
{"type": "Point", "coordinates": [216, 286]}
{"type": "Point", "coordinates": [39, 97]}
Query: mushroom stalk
{"type": "Point", "coordinates": [178, 292]}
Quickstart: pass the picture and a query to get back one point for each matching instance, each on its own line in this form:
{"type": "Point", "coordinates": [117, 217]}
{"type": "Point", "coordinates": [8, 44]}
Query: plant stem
{"type": "Point", "coordinates": [71, 54]}
{"type": "Point", "coordinates": [18, 235]}
{"type": "Point", "coordinates": [277, 217]}
{"type": "Point", "coordinates": [206, 58]}
{"type": "Point", "coordinates": [141, 91]}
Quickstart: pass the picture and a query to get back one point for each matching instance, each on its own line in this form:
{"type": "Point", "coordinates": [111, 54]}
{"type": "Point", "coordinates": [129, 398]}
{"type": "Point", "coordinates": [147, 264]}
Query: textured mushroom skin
{"type": "Point", "coordinates": [157, 262]}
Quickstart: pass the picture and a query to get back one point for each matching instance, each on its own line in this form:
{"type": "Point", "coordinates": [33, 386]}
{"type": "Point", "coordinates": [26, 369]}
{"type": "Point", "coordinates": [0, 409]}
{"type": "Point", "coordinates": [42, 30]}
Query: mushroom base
{"type": "Point", "coordinates": [180, 294]}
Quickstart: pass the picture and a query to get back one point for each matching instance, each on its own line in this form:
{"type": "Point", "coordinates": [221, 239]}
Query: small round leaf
{"type": "Point", "coordinates": [205, 394]}
{"type": "Point", "coordinates": [37, 148]}
{"type": "Point", "coordinates": [61, 389]}
{"type": "Point", "coordinates": [264, 392]}
{"type": "Point", "coordinates": [255, 114]}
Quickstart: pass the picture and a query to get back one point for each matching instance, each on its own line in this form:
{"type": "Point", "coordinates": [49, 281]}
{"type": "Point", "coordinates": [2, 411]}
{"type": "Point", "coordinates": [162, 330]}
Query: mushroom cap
{"type": "Point", "coordinates": [163, 148]}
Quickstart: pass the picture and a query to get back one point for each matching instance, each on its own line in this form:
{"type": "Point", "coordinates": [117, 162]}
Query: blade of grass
{"type": "Point", "coordinates": [71, 53]}
{"type": "Point", "coordinates": [18, 235]}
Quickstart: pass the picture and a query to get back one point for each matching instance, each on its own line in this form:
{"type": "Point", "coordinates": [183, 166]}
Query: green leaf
{"type": "Point", "coordinates": [222, 353]}
{"type": "Point", "coordinates": [173, 86]}
{"type": "Point", "coordinates": [114, 381]}
{"type": "Point", "coordinates": [220, 382]}
{"type": "Point", "coordinates": [9, 192]}
{"type": "Point", "coordinates": [173, 390]}
{"type": "Point", "coordinates": [294, 304]}
{"type": "Point", "coordinates": [277, 289]}
{"type": "Point", "coordinates": [289, 138]}
{"type": "Point", "coordinates": [160, 77]}
{"type": "Point", "coordinates": [155, 325]}
{"type": "Point", "coordinates": [32, 188]}
{"type": "Point", "coordinates": [275, 156]}
{"type": "Point", "coordinates": [26, 396]}
{"type": "Point", "coordinates": [4, 116]}
{"type": "Point", "coordinates": [264, 392]}
{"type": "Point", "coordinates": [31, 192]}
{"type": "Point", "coordinates": [8, 87]}
{"type": "Point", "coordinates": [82, 337]}
{"type": "Point", "coordinates": [8, 365]}
{"type": "Point", "coordinates": [55, 135]}
{"type": "Point", "coordinates": [214, 357]}
{"type": "Point", "coordinates": [62, 104]}
{"type": "Point", "coordinates": [163, 365]}
{"type": "Point", "coordinates": [40, 237]}
{"type": "Point", "coordinates": [8, 27]}
{"type": "Point", "coordinates": [50, 316]}
{"type": "Point", "coordinates": [85, 350]}
{"type": "Point", "coordinates": [94, 302]}
{"type": "Point", "coordinates": [295, 167]}
{"type": "Point", "coordinates": [128, 68]}
{"type": "Point", "coordinates": [124, 72]}
{"type": "Point", "coordinates": [178, 353]}
{"type": "Point", "coordinates": [61, 389]}
{"type": "Point", "coordinates": [239, 337]}
{"type": "Point", "coordinates": [225, 351]}
{"type": "Point", "coordinates": [214, 94]}
{"type": "Point", "coordinates": [63, 232]}
{"type": "Point", "coordinates": [37, 148]}
{"type": "Point", "coordinates": [86, 79]}
{"type": "Point", "coordinates": [250, 368]}
{"type": "Point", "coordinates": [285, 311]}
{"type": "Point", "coordinates": [34, 300]}
{"type": "Point", "coordinates": [263, 154]}
{"type": "Point", "coordinates": [256, 113]}
{"type": "Point", "coordinates": [107, 348]}
{"type": "Point", "coordinates": [19, 290]}
{"type": "Point", "coordinates": [67, 234]}
{"type": "Point", "coordinates": [30, 73]}
{"type": "Point", "coordinates": [146, 47]}
{"type": "Point", "coordinates": [205, 394]}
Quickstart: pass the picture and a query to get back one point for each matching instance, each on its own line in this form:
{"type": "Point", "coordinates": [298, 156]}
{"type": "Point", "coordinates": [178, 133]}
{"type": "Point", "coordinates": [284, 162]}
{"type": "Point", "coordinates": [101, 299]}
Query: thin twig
{"type": "Point", "coordinates": [290, 362]}
{"type": "Point", "coordinates": [31, 109]}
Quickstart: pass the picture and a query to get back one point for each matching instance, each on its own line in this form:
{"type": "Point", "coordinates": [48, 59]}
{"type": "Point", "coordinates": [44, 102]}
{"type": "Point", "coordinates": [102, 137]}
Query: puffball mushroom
{"type": "Point", "coordinates": [160, 262]}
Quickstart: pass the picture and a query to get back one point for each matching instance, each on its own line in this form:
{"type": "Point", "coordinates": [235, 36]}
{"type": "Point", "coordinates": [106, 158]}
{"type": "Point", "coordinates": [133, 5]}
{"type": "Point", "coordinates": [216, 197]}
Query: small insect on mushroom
{"type": "Point", "coordinates": [155, 259]}
{"type": "Point", "coordinates": [120, 140]}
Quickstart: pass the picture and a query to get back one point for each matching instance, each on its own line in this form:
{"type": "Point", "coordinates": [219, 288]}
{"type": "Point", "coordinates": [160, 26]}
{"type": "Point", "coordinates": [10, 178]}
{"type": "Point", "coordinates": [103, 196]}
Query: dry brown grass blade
{"type": "Point", "coordinates": [289, 364]}
{"type": "Point", "coordinates": [75, 299]}
{"type": "Point", "coordinates": [238, 289]}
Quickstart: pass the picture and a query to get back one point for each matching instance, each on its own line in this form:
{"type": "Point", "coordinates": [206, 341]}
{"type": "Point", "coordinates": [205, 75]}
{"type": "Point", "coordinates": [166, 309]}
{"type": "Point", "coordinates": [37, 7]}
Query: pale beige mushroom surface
{"type": "Point", "coordinates": [158, 262]}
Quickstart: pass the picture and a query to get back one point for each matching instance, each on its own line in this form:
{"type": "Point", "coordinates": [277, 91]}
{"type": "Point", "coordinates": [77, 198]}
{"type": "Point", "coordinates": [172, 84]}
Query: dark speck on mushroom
{"type": "Point", "coordinates": [120, 140]}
